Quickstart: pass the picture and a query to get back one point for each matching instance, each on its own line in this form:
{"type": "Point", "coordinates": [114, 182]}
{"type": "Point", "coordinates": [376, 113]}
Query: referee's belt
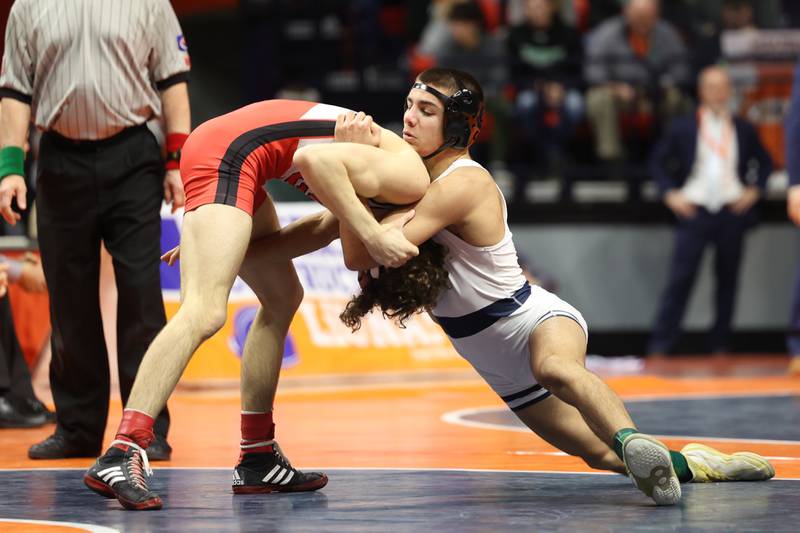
{"type": "Point", "coordinates": [94, 144]}
{"type": "Point", "coordinates": [458, 327]}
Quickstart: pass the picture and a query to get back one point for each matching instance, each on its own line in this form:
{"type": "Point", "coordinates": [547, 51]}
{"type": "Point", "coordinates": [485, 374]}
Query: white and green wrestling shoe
{"type": "Point", "coordinates": [649, 465]}
{"type": "Point", "coordinates": [709, 465]}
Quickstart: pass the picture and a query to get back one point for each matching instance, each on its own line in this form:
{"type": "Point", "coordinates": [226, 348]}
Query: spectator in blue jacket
{"type": "Point", "coordinates": [711, 168]}
{"type": "Point", "coordinates": [792, 136]}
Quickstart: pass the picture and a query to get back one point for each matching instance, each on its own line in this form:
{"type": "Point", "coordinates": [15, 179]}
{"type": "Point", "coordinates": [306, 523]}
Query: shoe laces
{"type": "Point", "coordinates": [281, 458]}
{"type": "Point", "coordinates": [138, 466]}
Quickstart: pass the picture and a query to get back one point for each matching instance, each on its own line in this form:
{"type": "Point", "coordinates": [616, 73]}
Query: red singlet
{"type": "Point", "coordinates": [228, 159]}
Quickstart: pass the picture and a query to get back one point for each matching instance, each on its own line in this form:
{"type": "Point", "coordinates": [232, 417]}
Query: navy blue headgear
{"type": "Point", "coordinates": [463, 117]}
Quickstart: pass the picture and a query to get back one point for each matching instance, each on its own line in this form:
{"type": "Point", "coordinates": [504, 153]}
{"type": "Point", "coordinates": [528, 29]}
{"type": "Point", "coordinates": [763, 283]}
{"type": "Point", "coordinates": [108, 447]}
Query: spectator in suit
{"type": "Point", "coordinates": [711, 168]}
{"type": "Point", "coordinates": [635, 64]}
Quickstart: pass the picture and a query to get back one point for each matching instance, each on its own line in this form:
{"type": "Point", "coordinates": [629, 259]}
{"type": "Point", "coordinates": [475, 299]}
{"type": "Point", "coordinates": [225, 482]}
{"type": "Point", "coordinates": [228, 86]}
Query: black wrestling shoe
{"type": "Point", "coordinates": [122, 474]}
{"type": "Point", "coordinates": [262, 472]}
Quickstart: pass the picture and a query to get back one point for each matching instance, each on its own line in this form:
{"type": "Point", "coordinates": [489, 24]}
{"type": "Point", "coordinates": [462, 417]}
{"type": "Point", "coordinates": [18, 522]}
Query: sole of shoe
{"type": "Point", "coordinates": [107, 492]}
{"type": "Point", "coordinates": [649, 465]}
{"type": "Point", "coordinates": [153, 504]}
{"type": "Point", "coordinates": [267, 489]}
{"type": "Point", "coordinates": [98, 487]}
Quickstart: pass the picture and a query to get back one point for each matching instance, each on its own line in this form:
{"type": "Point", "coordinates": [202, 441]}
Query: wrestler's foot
{"type": "Point", "coordinates": [260, 472]}
{"type": "Point", "coordinates": [650, 467]}
{"type": "Point", "coordinates": [121, 474]}
{"type": "Point", "coordinates": [709, 465]}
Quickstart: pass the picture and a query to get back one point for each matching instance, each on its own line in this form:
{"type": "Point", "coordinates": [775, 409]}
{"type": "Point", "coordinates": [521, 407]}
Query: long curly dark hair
{"type": "Point", "coordinates": [403, 291]}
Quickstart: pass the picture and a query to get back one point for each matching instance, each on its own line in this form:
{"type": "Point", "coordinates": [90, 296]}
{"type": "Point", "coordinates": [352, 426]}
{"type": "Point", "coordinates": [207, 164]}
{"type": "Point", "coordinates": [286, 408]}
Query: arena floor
{"type": "Point", "coordinates": [437, 451]}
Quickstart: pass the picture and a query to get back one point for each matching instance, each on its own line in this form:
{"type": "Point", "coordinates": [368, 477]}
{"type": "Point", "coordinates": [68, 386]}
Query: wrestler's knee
{"type": "Point", "coordinates": [295, 296]}
{"type": "Point", "coordinates": [290, 300]}
{"type": "Point", "coordinates": [205, 316]}
{"type": "Point", "coordinates": [555, 373]}
{"type": "Point", "coordinates": [283, 304]}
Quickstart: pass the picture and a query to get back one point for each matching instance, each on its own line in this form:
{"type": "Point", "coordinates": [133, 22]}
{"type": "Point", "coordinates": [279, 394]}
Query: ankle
{"type": "Point", "coordinates": [619, 439]}
{"type": "Point", "coordinates": [682, 468]}
{"type": "Point", "coordinates": [136, 427]}
{"type": "Point", "coordinates": [258, 432]}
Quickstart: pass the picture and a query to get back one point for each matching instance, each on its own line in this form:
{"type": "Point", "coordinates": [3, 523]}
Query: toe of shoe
{"type": "Point", "coordinates": [759, 468]}
{"type": "Point", "coordinates": [149, 504]}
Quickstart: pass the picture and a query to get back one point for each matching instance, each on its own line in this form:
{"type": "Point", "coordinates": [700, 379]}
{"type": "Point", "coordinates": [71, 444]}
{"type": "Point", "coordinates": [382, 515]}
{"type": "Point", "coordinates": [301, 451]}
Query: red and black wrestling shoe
{"type": "Point", "coordinates": [122, 473]}
{"type": "Point", "coordinates": [262, 472]}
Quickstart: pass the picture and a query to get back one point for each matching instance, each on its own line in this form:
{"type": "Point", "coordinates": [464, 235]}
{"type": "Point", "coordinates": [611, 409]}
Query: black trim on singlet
{"type": "Point", "coordinates": [531, 402]}
{"type": "Point", "coordinates": [521, 394]}
{"type": "Point", "coordinates": [230, 167]}
{"type": "Point", "coordinates": [458, 327]}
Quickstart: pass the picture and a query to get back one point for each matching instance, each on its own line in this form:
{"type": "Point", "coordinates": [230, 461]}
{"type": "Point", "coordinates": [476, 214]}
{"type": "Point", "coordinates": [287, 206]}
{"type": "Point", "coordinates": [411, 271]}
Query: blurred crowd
{"type": "Point", "coordinates": [576, 89]}
{"type": "Point", "coordinates": [586, 81]}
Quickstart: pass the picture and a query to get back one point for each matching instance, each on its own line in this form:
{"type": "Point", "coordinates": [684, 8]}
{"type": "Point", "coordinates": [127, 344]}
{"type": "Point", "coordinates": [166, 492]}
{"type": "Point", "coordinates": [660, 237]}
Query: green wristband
{"type": "Point", "coordinates": [12, 161]}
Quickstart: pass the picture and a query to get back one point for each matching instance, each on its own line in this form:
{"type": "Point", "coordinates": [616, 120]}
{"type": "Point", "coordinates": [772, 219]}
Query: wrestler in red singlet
{"type": "Point", "coordinates": [228, 159]}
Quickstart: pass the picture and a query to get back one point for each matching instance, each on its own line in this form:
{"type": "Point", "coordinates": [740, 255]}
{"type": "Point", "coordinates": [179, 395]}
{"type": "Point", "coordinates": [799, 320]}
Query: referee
{"type": "Point", "coordinates": [90, 74]}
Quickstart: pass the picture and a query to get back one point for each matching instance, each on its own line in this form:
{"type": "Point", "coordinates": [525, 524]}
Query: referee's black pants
{"type": "Point", "coordinates": [109, 190]}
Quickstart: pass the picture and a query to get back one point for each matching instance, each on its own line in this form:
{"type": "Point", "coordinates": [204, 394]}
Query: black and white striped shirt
{"type": "Point", "coordinates": [90, 68]}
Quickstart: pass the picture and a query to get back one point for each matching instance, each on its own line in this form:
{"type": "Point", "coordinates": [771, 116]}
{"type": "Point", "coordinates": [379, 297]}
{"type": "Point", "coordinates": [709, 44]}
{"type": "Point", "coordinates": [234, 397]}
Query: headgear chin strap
{"type": "Point", "coordinates": [463, 117]}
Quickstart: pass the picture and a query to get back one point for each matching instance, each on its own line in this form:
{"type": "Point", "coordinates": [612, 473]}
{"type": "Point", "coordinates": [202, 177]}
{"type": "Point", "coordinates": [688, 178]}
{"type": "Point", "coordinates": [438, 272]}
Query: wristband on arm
{"type": "Point", "coordinates": [12, 161]}
{"type": "Point", "coordinates": [174, 144]}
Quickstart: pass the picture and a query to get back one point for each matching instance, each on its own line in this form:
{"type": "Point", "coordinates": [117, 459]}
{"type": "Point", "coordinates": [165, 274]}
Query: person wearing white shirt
{"type": "Point", "coordinates": [711, 168]}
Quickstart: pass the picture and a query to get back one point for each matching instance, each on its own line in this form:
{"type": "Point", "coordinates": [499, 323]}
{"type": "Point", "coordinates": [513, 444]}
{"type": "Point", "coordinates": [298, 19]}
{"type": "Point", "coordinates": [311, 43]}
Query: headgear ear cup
{"type": "Point", "coordinates": [463, 117]}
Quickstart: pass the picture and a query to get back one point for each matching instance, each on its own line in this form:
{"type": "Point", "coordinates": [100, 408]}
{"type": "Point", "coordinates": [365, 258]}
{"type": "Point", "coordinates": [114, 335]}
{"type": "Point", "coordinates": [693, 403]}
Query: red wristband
{"type": "Point", "coordinates": [174, 144]}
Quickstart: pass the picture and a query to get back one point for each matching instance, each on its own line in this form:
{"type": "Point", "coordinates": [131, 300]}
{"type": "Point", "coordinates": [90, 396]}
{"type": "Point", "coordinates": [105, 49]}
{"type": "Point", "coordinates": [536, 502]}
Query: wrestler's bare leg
{"type": "Point", "coordinates": [562, 425]}
{"type": "Point", "coordinates": [558, 352]}
{"type": "Point", "coordinates": [279, 292]}
{"type": "Point", "coordinates": [208, 271]}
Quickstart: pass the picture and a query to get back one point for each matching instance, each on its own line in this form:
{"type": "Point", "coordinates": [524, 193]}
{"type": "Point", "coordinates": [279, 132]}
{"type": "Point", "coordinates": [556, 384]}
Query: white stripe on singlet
{"type": "Point", "coordinates": [91, 67]}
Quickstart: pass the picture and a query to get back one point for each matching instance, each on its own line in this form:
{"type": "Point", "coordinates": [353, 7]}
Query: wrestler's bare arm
{"type": "Point", "coordinates": [446, 203]}
{"type": "Point", "coordinates": [338, 173]}
{"type": "Point", "coordinates": [301, 237]}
